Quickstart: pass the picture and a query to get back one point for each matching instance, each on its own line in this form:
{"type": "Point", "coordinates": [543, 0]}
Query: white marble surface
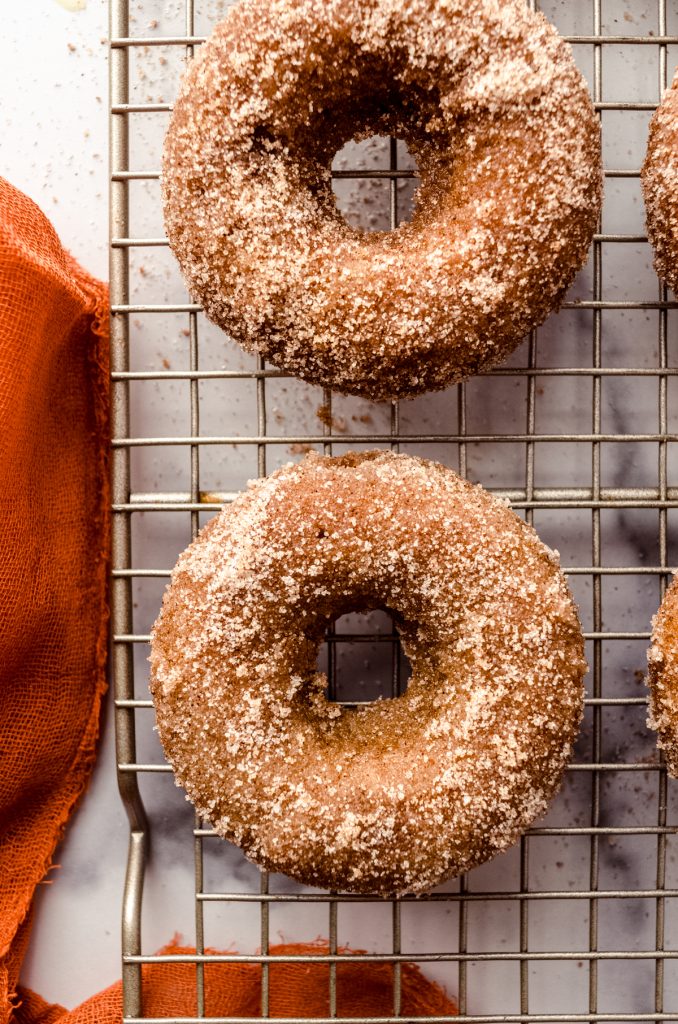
{"type": "Point", "coordinates": [47, 152]}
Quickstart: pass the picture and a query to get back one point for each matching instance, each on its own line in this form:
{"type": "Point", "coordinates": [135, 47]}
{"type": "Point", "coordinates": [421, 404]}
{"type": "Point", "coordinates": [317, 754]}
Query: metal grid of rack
{"type": "Point", "coordinates": [587, 504]}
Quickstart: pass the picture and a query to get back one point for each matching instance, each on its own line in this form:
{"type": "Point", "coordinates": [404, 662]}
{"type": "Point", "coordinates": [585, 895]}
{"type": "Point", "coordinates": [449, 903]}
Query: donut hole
{"type": "Point", "coordinates": [366, 128]}
{"type": "Point", "coordinates": [378, 203]}
{"type": "Point", "coordinates": [363, 659]}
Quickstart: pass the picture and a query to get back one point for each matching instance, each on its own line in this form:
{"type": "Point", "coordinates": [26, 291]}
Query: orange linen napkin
{"type": "Point", "coordinates": [234, 990]}
{"type": "Point", "coordinates": [54, 529]}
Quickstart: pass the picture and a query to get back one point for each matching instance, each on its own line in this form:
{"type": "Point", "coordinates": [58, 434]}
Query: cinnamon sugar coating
{"type": "Point", "coordinates": [659, 178]}
{"type": "Point", "coordinates": [489, 101]}
{"type": "Point", "coordinates": [662, 659]}
{"type": "Point", "coordinates": [400, 794]}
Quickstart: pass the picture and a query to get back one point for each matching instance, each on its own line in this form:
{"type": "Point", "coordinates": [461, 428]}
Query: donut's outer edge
{"type": "Point", "coordinates": [570, 678]}
{"type": "Point", "coordinates": [283, 329]}
{"type": "Point", "coordinates": [659, 180]}
{"type": "Point", "coordinates": [662, 659]}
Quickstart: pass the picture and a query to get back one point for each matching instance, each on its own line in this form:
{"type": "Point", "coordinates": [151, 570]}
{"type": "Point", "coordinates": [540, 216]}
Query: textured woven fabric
{"type": "Point", "coordinates": [234, 990]}
{"type": "Point", "coordinates": [54, 531]}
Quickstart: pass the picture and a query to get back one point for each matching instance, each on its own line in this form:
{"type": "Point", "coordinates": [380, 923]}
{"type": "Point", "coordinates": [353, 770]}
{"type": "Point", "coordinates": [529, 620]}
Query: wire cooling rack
{"type": "Point", "coordinates": [579, 921]}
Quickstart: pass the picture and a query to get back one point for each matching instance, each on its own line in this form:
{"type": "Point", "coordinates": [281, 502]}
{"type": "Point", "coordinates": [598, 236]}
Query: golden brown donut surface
{"type": "Point", "coordinates": [659, 177]}
{"type": "Point", "coordinates": [490, 102]}
{"type": "Point", "coordinates": [662, 661]}
{"type": "Point", "coordinates": [400, 794]}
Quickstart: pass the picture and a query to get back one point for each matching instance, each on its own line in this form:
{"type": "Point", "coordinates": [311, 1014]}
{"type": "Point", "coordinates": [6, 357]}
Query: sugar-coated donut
{"type": "Point", "coordinates": [659, 178]}
{"type": "Point", "coordinates": [400, 794]}
{"type": "Point", "coordinates": [662, 662]}
{"type": "Point", "coordinates": [490, 102]}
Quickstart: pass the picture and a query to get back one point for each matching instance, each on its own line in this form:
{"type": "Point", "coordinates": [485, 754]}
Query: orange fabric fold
{"type": "Point", "coordinates": [54, 529]}
{"type": "Point", "coordinates": [234, 990]}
